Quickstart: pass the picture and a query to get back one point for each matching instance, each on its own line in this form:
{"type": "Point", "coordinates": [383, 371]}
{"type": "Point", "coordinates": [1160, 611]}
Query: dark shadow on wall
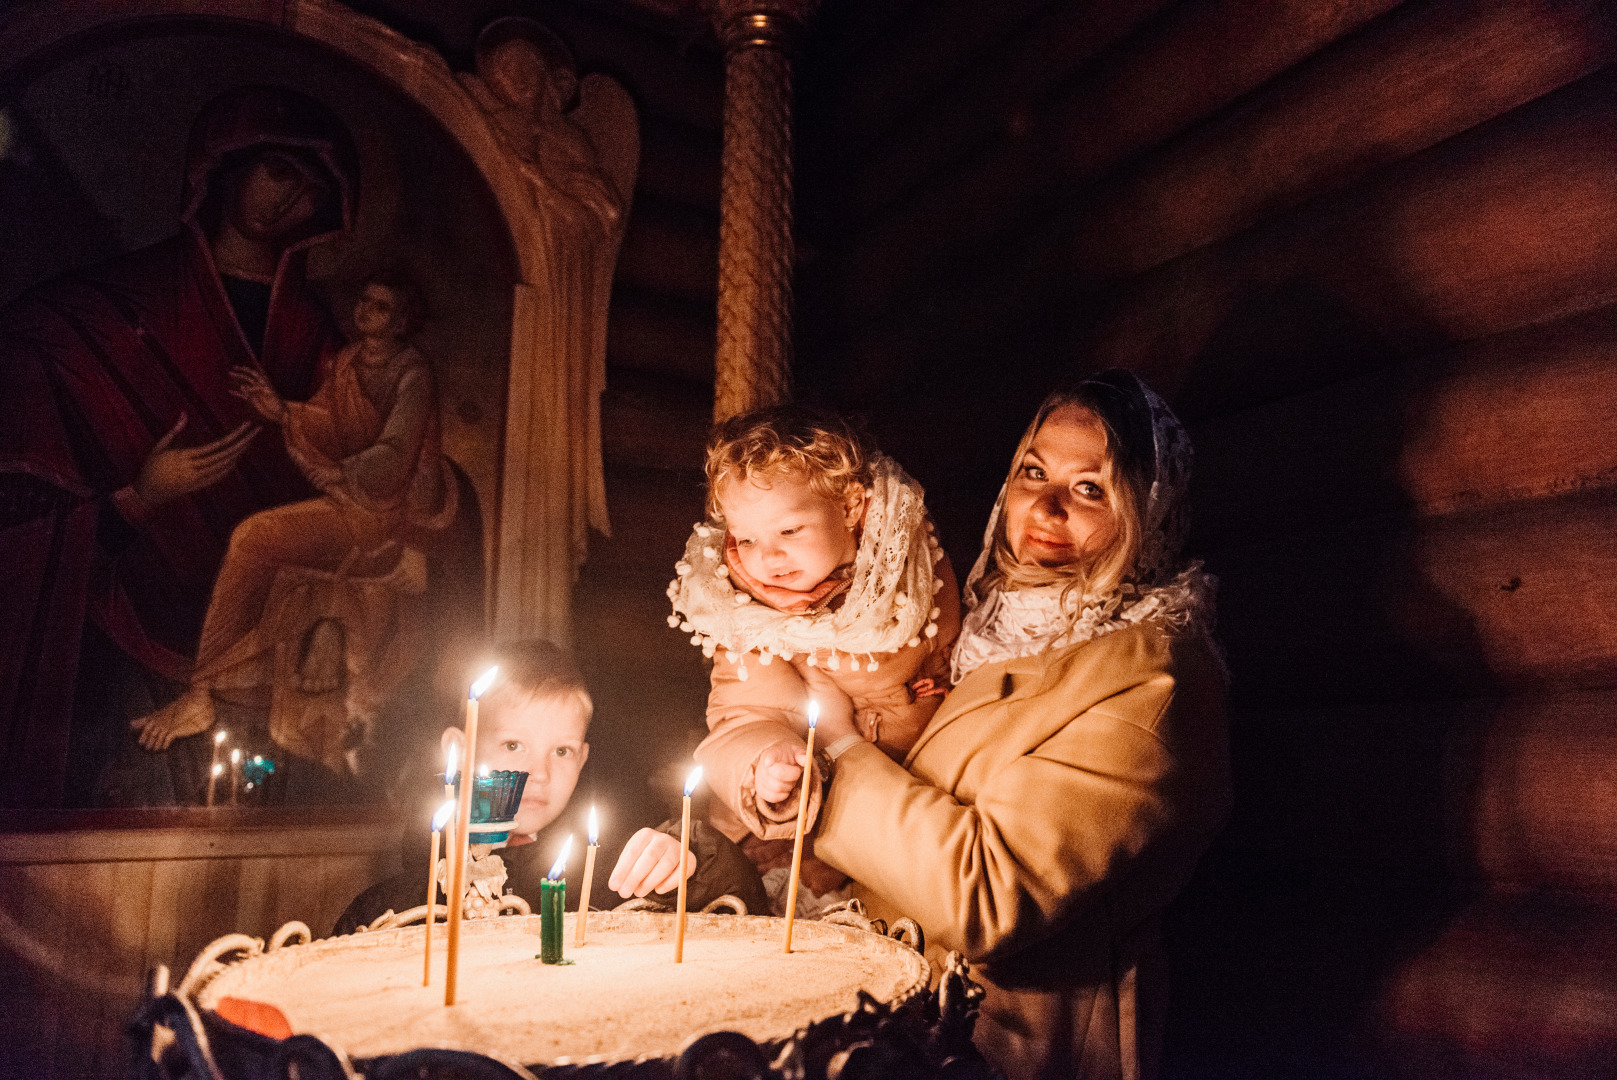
{"type": "Point", "coordinates": [1356, 686]}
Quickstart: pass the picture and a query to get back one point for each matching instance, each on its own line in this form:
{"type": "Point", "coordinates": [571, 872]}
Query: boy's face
{"type": "Point", "coordinates": [786, 534]}
{"type": "Point", "coordinates": [543, 737]}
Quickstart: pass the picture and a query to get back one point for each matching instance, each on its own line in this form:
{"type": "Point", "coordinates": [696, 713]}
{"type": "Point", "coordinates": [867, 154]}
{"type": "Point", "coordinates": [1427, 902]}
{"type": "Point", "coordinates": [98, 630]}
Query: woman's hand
{"type": "Point", "coordinates": [778, 769]}
{"type": "Point", "coordinates": [168, 474]}
{"type": "Point", "coordinates": [836, 707]}
{"type": "Point", "coordinates": [649, 863]}
{"type": "Point", "coordinates": [253, 388]}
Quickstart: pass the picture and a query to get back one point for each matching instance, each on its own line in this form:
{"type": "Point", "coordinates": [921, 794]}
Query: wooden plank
{"type": "Point", "coordinates": [1514, 790]}
{"type": "Point", "coordinates": [1407, 82]}
{"type": "Point", "coordinates": [660, 335]}
{"type": "Point", "coordinates": [670, 250]}
{"type": "Point", "coordinates": [1181, 68]}
{"type": "Point", "coordinates": [995, 99]}
{"type": "Point", "coordinates": [113, 845]}
{"type": "Point", "coordinates": [680, 166]}
{"type": "Point", "coordinates": [1514, 416]}
{"type": "Point", "coordinates": [1518, 596]}
{"type": "Point", "coordinates": [1504, 226]}
{"type": "Point", "coordinates": [868, 99]}
{"type": "Point", "coordinates": [655, 421]}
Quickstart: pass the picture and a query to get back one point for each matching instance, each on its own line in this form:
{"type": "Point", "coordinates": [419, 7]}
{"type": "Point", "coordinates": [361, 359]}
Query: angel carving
{"type": "Point", "coordinates": [577, 144]}
{"type": "Point", "coordinates": [585, 152]}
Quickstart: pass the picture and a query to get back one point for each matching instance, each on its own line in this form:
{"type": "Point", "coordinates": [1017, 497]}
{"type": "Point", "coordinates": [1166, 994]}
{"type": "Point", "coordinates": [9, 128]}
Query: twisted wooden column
{"type": "Point", "coordinates": [756, 252]}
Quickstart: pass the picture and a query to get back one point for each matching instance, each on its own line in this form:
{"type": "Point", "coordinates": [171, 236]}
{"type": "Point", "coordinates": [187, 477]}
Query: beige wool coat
{"type": "Point", "coordinates": [1050, 811]}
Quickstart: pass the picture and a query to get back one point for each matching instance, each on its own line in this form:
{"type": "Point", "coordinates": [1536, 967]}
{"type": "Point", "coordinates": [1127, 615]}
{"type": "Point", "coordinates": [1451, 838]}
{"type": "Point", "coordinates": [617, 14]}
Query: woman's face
{"type": "Point", "coordinates": [273, 199]}
{"type": "Point", "coordinates": [1056, 508]}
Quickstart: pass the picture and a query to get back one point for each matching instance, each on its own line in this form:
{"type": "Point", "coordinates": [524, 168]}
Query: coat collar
{"type": "Point", "coordinates": [989, 683]}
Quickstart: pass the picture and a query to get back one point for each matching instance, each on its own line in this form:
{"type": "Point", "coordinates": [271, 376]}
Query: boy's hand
{"type": "Point", "coordinates": [649, 863]}
{"type": "Point", "coordinates": [778, 769]}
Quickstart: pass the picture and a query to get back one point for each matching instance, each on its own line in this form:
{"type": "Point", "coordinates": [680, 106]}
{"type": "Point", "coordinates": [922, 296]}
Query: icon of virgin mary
{"type": "Point", "coordinates": [126, 460]}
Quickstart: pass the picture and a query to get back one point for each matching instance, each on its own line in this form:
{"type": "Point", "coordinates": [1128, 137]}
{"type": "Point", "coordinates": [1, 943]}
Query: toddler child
{"type": "Point", "coordinates": [817, 564]}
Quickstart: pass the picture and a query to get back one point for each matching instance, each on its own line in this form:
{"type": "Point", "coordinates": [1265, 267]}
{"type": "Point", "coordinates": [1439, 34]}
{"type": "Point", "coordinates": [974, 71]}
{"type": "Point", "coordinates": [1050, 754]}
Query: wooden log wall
{"type": "Point", "coordinates": [92, 901]}
{"type": "Point", "coordinates": [1369, 249]}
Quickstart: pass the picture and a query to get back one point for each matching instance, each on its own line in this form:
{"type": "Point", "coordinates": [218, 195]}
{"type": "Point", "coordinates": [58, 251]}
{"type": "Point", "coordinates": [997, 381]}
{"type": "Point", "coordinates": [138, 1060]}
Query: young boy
{"type": "Point", "coordinates": [817, 564]}
{"type": "Point", "coordinates": [535, 719]}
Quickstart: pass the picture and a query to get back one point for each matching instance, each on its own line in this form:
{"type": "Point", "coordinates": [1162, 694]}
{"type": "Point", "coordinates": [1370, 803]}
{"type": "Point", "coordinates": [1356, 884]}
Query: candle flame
{"type": "Point", "coordinates": [218, 769]}
{"type": "Point", "coordinates": [561, 860]}
{"type": "Point", "coordinates": [235, 757]}
{"type": "Point", "coordinates": [813, 712]}
{"type": "Point", "coordinates": [595, 831]}
{"type": "Point", "coordinates": [451, 759]}
{"type": "Point", "coordinates": [692, 780]}
{"type": "Point", "coordinates": [220, 736]}
{"type": "Point", "coordinates": [480, 687]}
{"type": "Point", "coordinates": [441, 818]}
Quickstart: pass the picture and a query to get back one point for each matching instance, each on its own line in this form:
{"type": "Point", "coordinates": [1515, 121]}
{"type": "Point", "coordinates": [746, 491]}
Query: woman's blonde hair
{"type": "Point", "coordinates": [1126, 474]}
{"type": "Point", "coordinates": [774, 442]}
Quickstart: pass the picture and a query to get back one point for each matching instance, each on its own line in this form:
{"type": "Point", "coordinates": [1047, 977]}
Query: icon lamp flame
{"type": "Point", "coordinates": [692, 780]}
{"type": "Point", "coordinates": [813, 712]}
{"type": "Point", "coordinates": [441, 818]}
{"type": "Point", "coordinates": [595, 830]}
{"type": "Point", "coordinates": [482, 770]}
{"type": "Point", "coordinates": [480, 687]}
{"type": "Point", "coordinates": [561, 860]}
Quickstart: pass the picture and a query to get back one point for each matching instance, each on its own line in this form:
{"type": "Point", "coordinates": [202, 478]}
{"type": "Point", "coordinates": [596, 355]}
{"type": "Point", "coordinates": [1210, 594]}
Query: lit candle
{"type": "Point", "coordinates": [463, 818]}
{"type": "Point", "coordinates": [552, 904]}
{"type": "Point", "coordinates": [439, 820]}
{"type": "Point", "coordinates": [589, 875]}
{"type": "Point", "coordinates": [684, 854]}
{"type": "Point", "coordinates": [802, 816]}
{"type": "Point", "coordinates": [214, 768]}
{"type": "Point", "coordinates": [235, 773]}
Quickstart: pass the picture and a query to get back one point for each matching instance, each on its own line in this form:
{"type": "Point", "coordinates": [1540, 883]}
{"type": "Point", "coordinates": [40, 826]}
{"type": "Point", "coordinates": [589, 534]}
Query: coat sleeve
{"type": "Point", "coordinates": [992, 877]}
{"type": "Point", "coordinates": [745, 718]}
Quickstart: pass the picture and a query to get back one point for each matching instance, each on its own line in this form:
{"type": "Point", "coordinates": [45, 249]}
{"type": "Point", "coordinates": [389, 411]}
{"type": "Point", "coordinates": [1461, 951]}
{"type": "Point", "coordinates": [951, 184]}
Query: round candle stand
{"type": "Point", "coordinates": [521, 1020]}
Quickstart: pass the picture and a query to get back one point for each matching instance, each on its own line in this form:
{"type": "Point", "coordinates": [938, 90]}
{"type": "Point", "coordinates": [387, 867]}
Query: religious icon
{"type": "Point", "coordinates": [315, 600]}
{"type": "Point", "coordinates": [126, 460]}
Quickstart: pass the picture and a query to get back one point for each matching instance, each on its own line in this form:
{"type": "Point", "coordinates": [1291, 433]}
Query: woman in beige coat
{"type": "Point", "coordinates": [1062, 794]}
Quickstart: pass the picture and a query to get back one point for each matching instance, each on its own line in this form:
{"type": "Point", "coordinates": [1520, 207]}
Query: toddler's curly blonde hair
{"type": "Point", "coordinates": [825, 450]}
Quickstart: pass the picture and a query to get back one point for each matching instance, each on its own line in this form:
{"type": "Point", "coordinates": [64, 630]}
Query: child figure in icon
{"type": "Point", "coordinates": [313, 597]}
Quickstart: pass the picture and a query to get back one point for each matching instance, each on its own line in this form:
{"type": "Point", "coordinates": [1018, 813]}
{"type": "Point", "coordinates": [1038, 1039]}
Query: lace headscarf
{"type": "Point", "coordinates": [890, 601]}
{"type": "Point", "coordinates": [1002, 623]}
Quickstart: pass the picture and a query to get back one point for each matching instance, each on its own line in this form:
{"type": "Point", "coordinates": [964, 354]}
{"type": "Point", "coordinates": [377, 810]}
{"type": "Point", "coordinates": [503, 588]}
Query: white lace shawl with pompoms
{"type": "Point", "coordinates": [890, 602]}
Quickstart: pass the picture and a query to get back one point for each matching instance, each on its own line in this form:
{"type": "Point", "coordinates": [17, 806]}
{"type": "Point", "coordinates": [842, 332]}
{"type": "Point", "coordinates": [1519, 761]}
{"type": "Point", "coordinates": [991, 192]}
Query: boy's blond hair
{"type": "Point", "coordinates": [536, 670]}
{"type": "Point", "coordinates": [828, 453]}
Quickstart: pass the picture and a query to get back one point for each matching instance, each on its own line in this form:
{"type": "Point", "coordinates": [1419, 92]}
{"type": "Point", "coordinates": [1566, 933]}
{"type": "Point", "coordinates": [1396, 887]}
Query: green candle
{"type": "Point", "coordinates": [552, 903]}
